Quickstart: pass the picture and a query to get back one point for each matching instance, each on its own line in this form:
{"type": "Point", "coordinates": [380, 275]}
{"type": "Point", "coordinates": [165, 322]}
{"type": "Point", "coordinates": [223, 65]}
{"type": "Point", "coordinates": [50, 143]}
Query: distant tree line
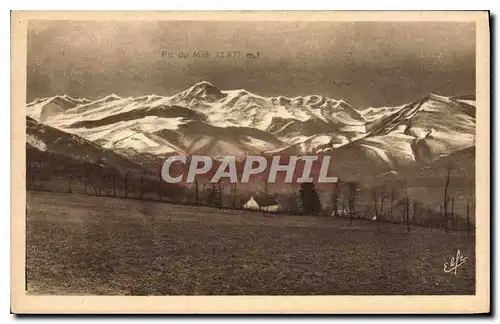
{"type": "Point", "coordinates": [392, 203]}
{"type": "Point", "coordinates": [349, 199]}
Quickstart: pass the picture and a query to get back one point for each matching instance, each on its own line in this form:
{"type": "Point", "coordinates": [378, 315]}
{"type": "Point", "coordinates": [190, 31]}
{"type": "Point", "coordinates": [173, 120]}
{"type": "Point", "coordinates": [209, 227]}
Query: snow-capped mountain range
{"type": "Point", "coordinates": [206, 120]}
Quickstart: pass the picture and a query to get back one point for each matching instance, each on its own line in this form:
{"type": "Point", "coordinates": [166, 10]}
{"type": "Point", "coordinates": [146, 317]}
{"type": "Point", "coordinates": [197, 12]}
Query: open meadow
{"type": "Point", "coordinates": [83, 245]}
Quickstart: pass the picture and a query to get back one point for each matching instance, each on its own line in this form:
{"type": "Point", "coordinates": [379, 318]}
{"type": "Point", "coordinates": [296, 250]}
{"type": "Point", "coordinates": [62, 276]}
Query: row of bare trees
{"type": "Point", "coordinates": [391, 203]}
{"type": "Point", "coordinates": [448, 206]}
{"type": "Point", "coordinates": [92, 179]}
{"type": "Point", "coordinates": [378, 197]}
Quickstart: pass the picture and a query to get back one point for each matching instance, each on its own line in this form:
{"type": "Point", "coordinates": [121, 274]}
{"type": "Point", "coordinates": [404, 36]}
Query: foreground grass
{"type": "Point", "coordinates": [91, 245]}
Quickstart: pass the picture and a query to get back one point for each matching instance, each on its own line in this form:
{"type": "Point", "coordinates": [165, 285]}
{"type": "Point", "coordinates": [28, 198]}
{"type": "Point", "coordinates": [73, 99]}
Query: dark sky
{"type": "Point", "coordinates": [364, 63]}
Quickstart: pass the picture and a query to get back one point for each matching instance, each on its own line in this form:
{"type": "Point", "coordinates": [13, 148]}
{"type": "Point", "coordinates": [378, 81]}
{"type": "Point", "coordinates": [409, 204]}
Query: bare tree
{"type": "Point", "coordinates": [293, 200]}
{"type": "Point", "coordinates": [468, 220]}
{"type": "Point", "coordinates": [352, 199]}
{"type": "Point", "coordinates": [441, 213]}
{"type": "Point", "coordinates": [69, 182]}
{"type": "Point", "coordinates": [375, 201]}
{"type": "Point", "coordinates": [125, 184]}
{"type": "Point", "coordinates": [378, 197]}
{"type": "Point", "coordinates": [143, 174]}
{"type": "Point", "coordinates": [98, 186]}
{"type": "Point", "coordinates": [392, 204]}
{"type": "Point", "coordinates": [92, 181]}
{"type": "Point", "coordinates": [446, 196]}
{"type": "Point", "coordinates": [234, 189]}
{"type": "Point", "coordinates": [102, 172]}
{"type": "Point", "coordinates": [33, 178]}
{"type": "Point", "coordinates": [335, 198]}
{"type": "Point", "coordinates": [382, 199]}
{"type": "Point", "coordinates": [417, 211]}
{"type": "Point", "coordinates": [407, 212]}
{"type": "Point", "coordinates": [406, 204]}
{"type": "Point", "coordinates": [85, 179]}
{"type": "Point", "coordinates": [197, 195]}
{"type": "Point", "coordinates": [215, 195]}
{"type": "Point", "coordinates": [220, 194]}
{"type": "Point", "coordinates": [342, 199]}
{"type": "Point", "coordinates": [114, 184]}
{"type": "Point", "coordinates": [96, 190]}
{"type": "Point", "coordinates": [453, 220]}
{"type": "Point", "coordinates": [160, 186]}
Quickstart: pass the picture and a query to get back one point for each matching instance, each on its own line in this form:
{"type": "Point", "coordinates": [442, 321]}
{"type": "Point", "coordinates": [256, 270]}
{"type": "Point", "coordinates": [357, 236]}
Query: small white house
{"type": "Point", "coordinates": [268, 204]}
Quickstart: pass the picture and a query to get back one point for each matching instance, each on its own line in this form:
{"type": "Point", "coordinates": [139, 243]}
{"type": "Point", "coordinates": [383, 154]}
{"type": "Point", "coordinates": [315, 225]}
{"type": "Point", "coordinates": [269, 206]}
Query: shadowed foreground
{"type": "Point", "coordinates": [94, 245]}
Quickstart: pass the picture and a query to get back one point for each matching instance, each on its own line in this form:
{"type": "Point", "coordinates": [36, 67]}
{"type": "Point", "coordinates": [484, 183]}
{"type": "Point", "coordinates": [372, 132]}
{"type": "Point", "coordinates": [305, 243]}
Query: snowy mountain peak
{"type": "Point", "coordinates": [110, 97]}
{"type": "Point", "coordinates": [454, 101]}
{"type": "Point", "coordinates": [46, 108]}
{"type": "Point", "coordinates": [437, 97]}
{"type": "Point", "coordinates": [203, 84]}
{"type": "Point", "coordinates": [203, 90]}
{"type": "Point", "coordinates": [206, 120]}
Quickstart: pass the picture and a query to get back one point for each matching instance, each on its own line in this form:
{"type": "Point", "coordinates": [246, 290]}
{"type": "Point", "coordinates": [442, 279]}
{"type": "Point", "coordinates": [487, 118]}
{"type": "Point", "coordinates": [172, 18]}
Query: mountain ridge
{"type": "Point", "coordinates": [206, 120]}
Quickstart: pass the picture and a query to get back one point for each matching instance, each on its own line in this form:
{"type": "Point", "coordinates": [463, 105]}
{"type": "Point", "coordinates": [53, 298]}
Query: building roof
{"type": "Point", "coordinates": [266, 201]}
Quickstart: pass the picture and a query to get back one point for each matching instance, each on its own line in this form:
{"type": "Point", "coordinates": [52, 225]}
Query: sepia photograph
{"type": "Point", "coordinates": [251, 156]}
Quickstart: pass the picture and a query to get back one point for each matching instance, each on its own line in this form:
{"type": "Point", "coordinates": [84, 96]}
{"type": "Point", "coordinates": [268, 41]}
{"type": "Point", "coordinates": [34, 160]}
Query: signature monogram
{"type": "Point", "coordinates": [455, 262]}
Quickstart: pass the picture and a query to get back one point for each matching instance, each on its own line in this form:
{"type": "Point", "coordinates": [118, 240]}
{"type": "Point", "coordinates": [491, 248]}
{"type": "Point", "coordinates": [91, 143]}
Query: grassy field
{"type": "Point", "coordinates": [83, 245]}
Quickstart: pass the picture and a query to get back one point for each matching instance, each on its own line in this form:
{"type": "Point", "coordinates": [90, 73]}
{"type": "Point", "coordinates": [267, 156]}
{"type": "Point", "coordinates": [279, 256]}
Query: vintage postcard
{"type": "Point", "coordinates": [250, 162]}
